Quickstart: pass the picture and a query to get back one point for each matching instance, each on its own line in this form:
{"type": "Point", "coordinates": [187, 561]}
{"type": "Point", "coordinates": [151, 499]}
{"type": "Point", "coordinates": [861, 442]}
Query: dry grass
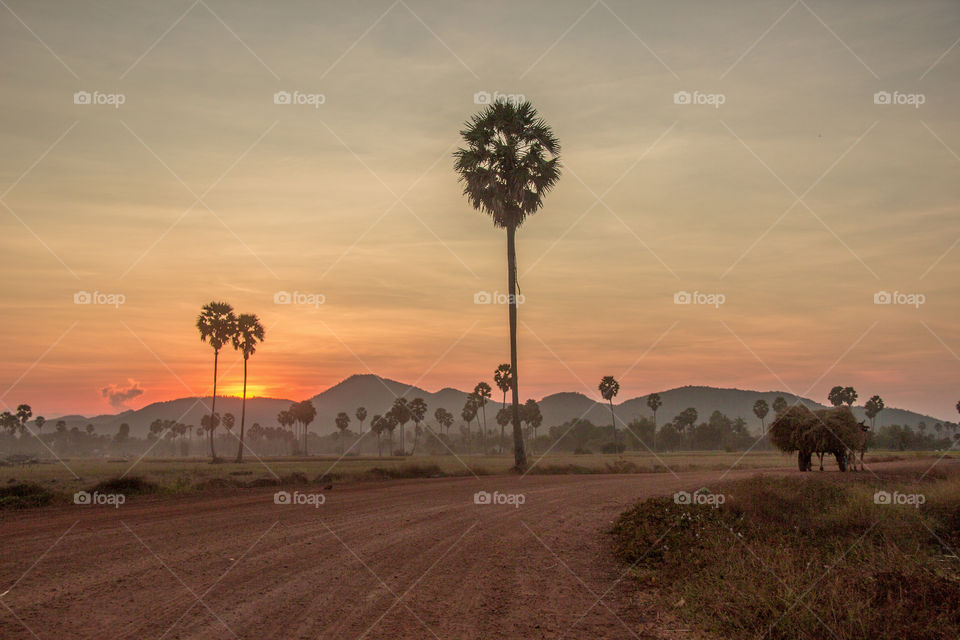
{"type": "Point", "coordinates": [805, 557]}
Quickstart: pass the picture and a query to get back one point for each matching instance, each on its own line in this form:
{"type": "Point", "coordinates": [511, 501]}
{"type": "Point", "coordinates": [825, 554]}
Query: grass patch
{"type": "Point", "coordinates": [128, 486]}
{"type": "Point", "coordinates": [24, 496]}
{"type": "Point", "coordinates": [786, 557]}
{"type": "Point", "coordinates": [406, 471]}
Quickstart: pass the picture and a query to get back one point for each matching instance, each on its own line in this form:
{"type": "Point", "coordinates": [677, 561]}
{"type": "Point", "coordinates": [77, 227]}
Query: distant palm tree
{"type": "Point", "coordinates": [836, 396]}
{"type": "Point", "coordinates": [873, 407]}
{"type": "Point", "coordinates": [444, 418]}
{"type": "Point", "coordinates": [503, 380]}
{"type": "Point", "coordinates": [849, 396]}
{"type": "Point", "coordinates": [468, 413]}
{"type": "Point", "coordinates": [654, 402]}
{"type": "Point", "coordinates": [761, 409]}
{"type": "Point", "coordinates": [248, 335]}
{"type": "Point", "coordinates": [400, 412]}
{"type": "Point", "coordinates": [532, 416]}
{"type": "Point", "coordinates": [511, 161]}
{"type": "Point", "coordinates": [216, 324]}
{"type": "Point", "coordinates": [342, 421]}
{"type": "Point", "coordinates": [779, 405]}
{"type": "Point", "coordinates": [90, 429]}
{"type": "Point", "coordinates": [361, 416]}
{"type": "Point", "coordinates": [418, 411]}
{"type": "Point", "coordinates": [304, 412]}
{"type": "Point", "coordinates": [40, 421]}
{"type": "Point", "coordinates": [377, 425]}
{"type": "Point", "coordinates": [482, 392]}
{"type": "Point", "coordinates": [609, 388]}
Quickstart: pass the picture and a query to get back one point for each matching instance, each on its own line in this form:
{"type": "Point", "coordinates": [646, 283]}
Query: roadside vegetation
{"type": "Point", "coordinates": [821, 556]}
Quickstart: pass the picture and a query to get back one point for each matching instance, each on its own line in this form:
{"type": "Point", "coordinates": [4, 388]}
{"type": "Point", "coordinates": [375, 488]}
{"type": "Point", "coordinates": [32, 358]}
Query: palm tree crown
{"type": "Point", "coordinates": [511, 161]}
{"type": "Point", "coordinates": [248, 334]}
{"type": "Point", "coordinates": [216, 324]}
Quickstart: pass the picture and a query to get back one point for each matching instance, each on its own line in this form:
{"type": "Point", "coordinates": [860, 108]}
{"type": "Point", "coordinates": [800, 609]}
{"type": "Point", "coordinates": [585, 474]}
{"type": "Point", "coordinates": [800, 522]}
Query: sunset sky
{"type": "Point", "coordinates": [798, 198]}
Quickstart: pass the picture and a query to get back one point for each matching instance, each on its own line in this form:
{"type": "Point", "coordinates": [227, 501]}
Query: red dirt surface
{"type": "Point", "coordinates": [402, 559]}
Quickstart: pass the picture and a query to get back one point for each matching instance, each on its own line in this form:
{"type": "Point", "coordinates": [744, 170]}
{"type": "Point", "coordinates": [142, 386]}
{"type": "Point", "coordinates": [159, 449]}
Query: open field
{"type": "Point", "coordinates": [407, 558]}
{"type": "Point", "coordinates": [186, 474]}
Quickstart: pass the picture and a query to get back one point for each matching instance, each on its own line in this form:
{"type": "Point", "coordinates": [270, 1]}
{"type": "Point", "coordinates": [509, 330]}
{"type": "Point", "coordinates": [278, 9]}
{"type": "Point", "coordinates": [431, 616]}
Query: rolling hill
{"type": "Point", "coordinates": [377, 393]}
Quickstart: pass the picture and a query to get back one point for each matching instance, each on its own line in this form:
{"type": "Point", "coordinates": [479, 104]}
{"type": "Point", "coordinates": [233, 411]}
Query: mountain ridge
{"type": "Point", "coordinates": [377, 393]}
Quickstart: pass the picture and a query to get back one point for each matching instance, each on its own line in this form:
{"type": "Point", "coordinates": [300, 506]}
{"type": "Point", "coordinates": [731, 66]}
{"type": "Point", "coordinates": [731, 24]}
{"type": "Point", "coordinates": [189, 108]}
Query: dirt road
{"type": "Point", "coordinates": [405, 559]}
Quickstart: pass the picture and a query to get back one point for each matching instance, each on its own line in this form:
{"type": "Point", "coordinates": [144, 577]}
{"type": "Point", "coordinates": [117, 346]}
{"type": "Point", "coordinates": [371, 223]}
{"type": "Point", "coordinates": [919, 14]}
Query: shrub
{"type": "Point", "coordinates": [25, 495]}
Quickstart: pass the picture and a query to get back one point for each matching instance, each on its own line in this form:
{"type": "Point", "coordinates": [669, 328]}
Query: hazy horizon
{"type": "Point", "coordinates": [798, 199]}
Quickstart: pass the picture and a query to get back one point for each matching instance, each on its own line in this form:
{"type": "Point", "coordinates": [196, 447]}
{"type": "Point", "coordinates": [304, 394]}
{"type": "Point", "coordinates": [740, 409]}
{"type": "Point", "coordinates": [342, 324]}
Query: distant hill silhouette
{"type": "Point", "coordinates": [377, 394]}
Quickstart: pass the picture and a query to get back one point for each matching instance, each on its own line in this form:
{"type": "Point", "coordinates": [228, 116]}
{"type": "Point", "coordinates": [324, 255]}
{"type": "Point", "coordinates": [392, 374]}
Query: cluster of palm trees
{"type": "Point", "coordinates": [220, 326]}
{"type": "Point", "coordinates": [300, 415]}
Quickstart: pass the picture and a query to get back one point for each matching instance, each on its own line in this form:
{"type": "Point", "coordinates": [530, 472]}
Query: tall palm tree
{"type": "Point", "coordinates": [609, 388]}
{"type": "Point", "coordinates": [216, 323]}
{"type": "Point", "coordinates": [248, 335]}
{"type": "Point", "coordinates": [511, 161]}
{"type": "Point", "coordinates": [377, 425]}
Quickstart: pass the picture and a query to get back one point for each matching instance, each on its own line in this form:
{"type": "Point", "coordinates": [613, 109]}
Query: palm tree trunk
{"type": "Point", "coordinates": [519, 457]}
{"type": "Point", "coordinates": [213, 408]}
{"type": "Point", "coordinates": [613, 420]}
{"type": "Point", "coordinates": [243, 411]}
